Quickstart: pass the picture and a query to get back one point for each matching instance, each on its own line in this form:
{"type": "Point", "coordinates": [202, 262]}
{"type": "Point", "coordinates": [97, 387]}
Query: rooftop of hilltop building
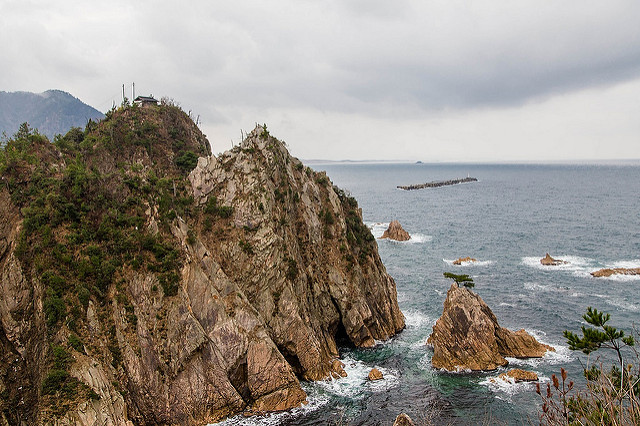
{"type": "Point", "coordinates": [145, 100]}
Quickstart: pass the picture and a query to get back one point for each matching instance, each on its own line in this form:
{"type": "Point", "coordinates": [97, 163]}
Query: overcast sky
{"type": "Point", "coordinates": [353, 79]}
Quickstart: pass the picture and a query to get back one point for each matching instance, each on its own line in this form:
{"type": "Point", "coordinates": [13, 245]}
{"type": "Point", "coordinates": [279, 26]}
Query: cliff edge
{"type": "Point", "coordinates": [145, 281]}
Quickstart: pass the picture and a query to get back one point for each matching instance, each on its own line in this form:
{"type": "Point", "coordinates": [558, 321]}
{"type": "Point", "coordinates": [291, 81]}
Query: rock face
{"type": "Point", "coordinates": [172, 297]}
{"type": "Point", "coordinates": [468, 337]}
{"type": "Point", "coordinates": [461, 260]}
{"type": "Point", "coordinates": [607, 272]}
{"type": "Point", "coordinates": [550, 261]}
{"type": "Point", "coordinates": [396, 232]}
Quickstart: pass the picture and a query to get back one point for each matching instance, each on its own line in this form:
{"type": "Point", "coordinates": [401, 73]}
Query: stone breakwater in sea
{"type": "Point", "coordinates": [437, 184]}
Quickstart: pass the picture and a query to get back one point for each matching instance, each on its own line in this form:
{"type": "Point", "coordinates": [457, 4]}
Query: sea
{"type": "Point", "coordinates": [585, 214]}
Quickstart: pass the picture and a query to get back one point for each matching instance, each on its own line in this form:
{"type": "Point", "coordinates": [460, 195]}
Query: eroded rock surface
{"type": "Point", "coordinates": [468, 337]}
{"type": "Point", "coordinates": [396, 232]}
{"type": "Point", "coordinates": [267, 265]}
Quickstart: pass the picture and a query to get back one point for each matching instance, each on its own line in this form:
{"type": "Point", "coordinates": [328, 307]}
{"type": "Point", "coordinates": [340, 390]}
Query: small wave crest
{"type": "Point", "coordinates": [509, 386]}
{"type": "Point", "coordinates": [357, 381]}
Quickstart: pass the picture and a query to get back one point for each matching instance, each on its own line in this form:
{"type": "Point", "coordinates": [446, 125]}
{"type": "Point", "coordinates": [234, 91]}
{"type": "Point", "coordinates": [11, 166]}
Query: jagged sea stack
{"type": "Point", "coordinates": [141, 284]}
{"type": "Point", "coordinates": [468, 337]}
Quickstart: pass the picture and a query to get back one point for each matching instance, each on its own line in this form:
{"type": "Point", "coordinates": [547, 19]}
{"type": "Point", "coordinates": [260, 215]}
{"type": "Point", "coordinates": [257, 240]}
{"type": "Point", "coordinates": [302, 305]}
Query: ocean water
{"type": "Point", "coordinates": [588, 215]}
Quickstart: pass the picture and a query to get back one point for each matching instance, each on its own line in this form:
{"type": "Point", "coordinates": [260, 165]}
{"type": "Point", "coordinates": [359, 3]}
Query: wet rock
{"type": "Point", "coordinates": [468, 337]}
{"type": "Point", "coordinates": [396, 232]}
{"type": "Point", "coordinates": [375, 374]}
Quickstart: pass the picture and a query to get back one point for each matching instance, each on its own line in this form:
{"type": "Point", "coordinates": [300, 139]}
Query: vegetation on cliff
{"type": "Point", "coordinates": [140, 273]}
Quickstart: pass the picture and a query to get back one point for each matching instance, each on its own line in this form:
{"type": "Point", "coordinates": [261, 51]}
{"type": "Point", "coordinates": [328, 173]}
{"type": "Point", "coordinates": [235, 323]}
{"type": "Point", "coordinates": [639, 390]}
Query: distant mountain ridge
{"type": "Point", "coordinates": [51, 112]}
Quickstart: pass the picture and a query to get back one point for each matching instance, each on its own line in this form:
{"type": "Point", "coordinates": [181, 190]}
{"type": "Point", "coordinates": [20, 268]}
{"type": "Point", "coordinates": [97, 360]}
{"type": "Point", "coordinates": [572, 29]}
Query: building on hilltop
{"type": "Point", "coordinates": [145, 100]}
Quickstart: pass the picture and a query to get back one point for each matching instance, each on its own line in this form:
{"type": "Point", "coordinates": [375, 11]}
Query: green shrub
{"type": "Point", "coordinates": [246, 247]}
{"type": "Point", "coordinates": [54, 381]}
{"type": "Point", "coordinates": [75, 342]}
{"type": "Point", "coordinates": [187, 161]}
{"type": "Point", "coordinates": [54, 309]}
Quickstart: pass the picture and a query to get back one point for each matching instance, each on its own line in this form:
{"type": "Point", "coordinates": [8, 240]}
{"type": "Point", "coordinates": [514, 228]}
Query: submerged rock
{"type": "Point", "coordinates": [461, 260]}
{"type": "Point", "coordinates": [375, 374]}
{"type": "Point", "coordinates": [550, 261]}
{"type": "Point", "coordinates": [468, 337]}
{"type": "Point", "coordinates": [396, 232]}
{"type": "Point", "coordinates": [607, 272]}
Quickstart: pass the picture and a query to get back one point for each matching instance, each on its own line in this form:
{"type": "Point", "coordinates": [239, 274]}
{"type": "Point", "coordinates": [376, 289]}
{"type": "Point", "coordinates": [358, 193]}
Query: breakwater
{"type": "Point", "coordinates": [438, 183]}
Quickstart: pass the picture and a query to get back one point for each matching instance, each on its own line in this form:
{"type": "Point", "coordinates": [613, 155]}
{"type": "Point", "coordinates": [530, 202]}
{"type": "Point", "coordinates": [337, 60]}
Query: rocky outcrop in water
{"type": "Point", "coordinates": [396, 232]}
{"type": "Point", "coordinates": [461, 260]}
{"type": "Point", "coordinates": [143, 285]}
{"type": "Point", "coordinates": [468, 337]}
{"type": "Point", "coordinates": [607, 272]}
{"type": "Point", "coordinates": [375, 374]}
{"type": "Point", "coordinates": [519, 375]}
{"type": "Point", "coordinates": [550, 261]}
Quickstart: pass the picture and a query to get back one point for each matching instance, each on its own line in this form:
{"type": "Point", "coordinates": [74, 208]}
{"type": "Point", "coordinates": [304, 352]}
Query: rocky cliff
{"type": "Point", "coordinates": [468, 337]}
{"type": "Point", "coordinates": [145, 281]}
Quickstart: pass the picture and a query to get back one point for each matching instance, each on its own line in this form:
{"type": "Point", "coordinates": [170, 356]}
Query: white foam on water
{"type": "Point", "coordinates": [626, 264]}
{"type": "Point", "coordinates": [424, 363]}
{"type": "Point", "coordinates": [357, 381]}
{"type": "Point", "coordinates": [511, 305]}
{"type": "Point", "coordinates": [419, 239]}
{"type": "Point", "coordinates": [415, 319]}
{"type": "Point", "coordinates": [508, 386]}
{"type": "Point", "coordinates": [469, 263]}
{"type": "Point", "coordinates": [378, 228]}
{"type": "Point", "coordinates": [621, 278]}
{"type": "Point", "coordinates": [562, 355]}
{"type": "Point", "coordinates": [580, 266]}
{"type": "Point", "coordinates": [532, 286]}
{"type": "Point", "coordinates": [619, 303]}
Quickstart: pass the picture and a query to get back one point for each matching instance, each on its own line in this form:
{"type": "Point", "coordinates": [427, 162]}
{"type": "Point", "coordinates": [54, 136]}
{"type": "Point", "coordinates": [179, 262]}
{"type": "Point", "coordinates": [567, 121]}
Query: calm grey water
{"type": "Point", "coordinates": [586, 214]}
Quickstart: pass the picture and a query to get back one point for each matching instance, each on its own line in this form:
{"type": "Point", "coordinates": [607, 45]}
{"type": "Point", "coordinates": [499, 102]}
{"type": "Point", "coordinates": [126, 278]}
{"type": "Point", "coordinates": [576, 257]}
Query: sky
{"type": "Point", "coordinates": [428, 80]}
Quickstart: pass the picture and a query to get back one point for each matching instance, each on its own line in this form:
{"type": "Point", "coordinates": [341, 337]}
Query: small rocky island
{"type": "Point", "coordinates": [437, 183]}
{"type": "Point", "coordinates": [607, 272]}
{"type": "Point", "coordinates": [461, 260]}
{"type": "Point", "coordinates": [550, 261]}
{"type": "Point", "coordinates": [468, 337]}
{"type": "Point", "coordinates": [396, 232]}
